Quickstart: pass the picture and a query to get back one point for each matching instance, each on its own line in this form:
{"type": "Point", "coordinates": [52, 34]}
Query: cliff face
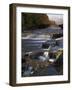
{"type": "Point", "coordinates": [34, 21]}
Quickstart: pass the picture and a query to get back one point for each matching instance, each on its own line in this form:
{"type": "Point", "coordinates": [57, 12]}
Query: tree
{"type": "Point", "coordinates": [34, 21]}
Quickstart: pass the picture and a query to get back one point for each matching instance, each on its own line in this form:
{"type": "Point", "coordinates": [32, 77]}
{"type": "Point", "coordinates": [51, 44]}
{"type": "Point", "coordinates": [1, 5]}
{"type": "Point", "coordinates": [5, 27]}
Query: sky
{"type": "Point", "coordinates": [58, 18]}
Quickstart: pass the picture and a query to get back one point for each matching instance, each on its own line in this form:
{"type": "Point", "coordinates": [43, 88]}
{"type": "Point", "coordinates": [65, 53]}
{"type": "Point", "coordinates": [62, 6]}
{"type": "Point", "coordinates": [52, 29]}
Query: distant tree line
{"type": "Point", "coordinates": [34, 21]}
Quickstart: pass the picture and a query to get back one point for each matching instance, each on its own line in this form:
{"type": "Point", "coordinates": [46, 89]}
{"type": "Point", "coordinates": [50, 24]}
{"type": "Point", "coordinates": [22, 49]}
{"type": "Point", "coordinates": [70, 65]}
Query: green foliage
{"type": "Point", "coordinates": [34, 21]}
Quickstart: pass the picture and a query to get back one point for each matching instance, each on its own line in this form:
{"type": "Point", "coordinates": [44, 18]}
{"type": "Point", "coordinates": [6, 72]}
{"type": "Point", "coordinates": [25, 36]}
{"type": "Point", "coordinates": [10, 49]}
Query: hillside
{"type": "Point", "coordinates": [34, 21]}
